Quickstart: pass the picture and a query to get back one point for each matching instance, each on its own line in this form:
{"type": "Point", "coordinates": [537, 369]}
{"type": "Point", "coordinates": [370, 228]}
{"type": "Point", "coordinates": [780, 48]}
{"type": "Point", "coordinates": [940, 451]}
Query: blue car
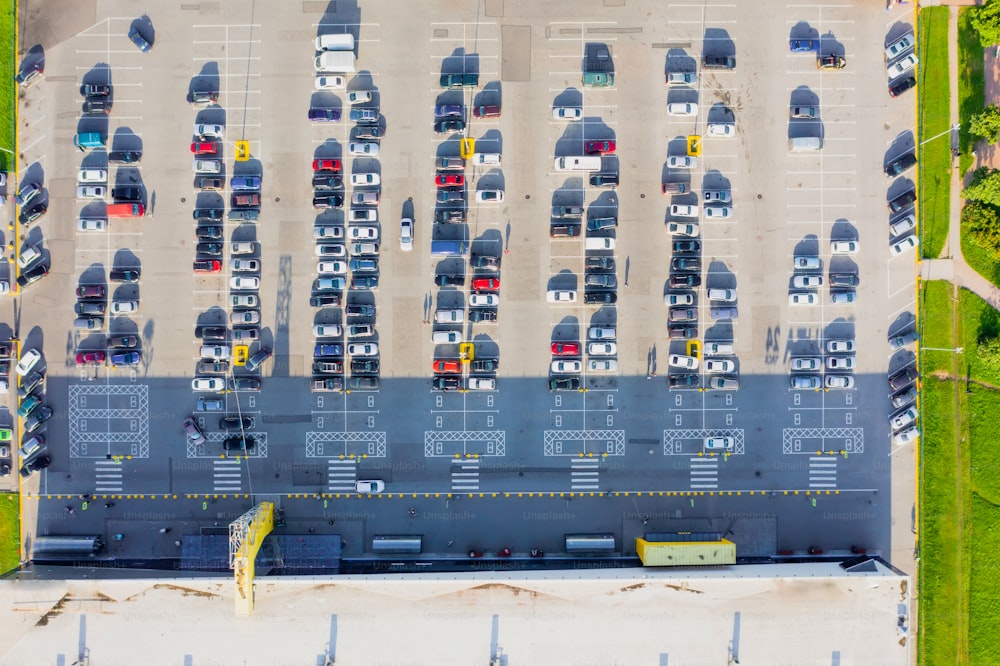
{"type": "Point", "coordinates": [139, 40]}
{"type": "Point", "coordinates": [242, 183]}
{"type": "Point", "coordinates": [328, 350]}
{"type": "Point", "coordinates": [324, 115]}
{"type": "Point", "coordinates": [369, 116]}
{"type": "Point", "coordinates": [125, 359]}
{"type": "Point", "coordinates": [803, 45]}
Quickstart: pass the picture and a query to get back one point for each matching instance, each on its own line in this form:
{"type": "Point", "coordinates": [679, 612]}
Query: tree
{"type": "Point", "coordinates": [986, 21]}
{"type": "Point", "coordinates": [985, 190]}
{"type": "Point", "coordinates": [989, 353]}
{"type": "Point", "coordinates": [986, 123]}
{"type": "Point", "coordinates": [982, 224]}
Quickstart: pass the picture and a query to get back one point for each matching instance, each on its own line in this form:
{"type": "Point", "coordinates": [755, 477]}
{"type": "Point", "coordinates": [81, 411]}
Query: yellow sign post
{"type": "Point", "coordinates": [467, 148]}
{"type": "Point", "coordinates": [242, 151]}
{"type": "Point", "coordinates": [694, 145]}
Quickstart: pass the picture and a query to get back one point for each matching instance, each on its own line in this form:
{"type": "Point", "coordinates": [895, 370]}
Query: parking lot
{"type": "Point", "coordinates": [560, 373]}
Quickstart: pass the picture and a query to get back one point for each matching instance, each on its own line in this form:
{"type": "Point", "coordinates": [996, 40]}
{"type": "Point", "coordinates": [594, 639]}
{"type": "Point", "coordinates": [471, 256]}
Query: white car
{"type": "Point", "coordinates": [840, 297]}
{"type": "Point", "coordinates": [682, 162]}
{"type": "Point", "coordinates": [369, 487]}
{"type": "Point", "coordinates": [839, 346]}
{"type": "Point", "coordinates": [244, 300]}
{"type": "Point", "coordinates": [567, 113]}
{"type": "Point", "coordinates": [905, 436]}
{"type": "Point", "coordinates": [362, 215]}
{"type": "Point", "coordinates": [682, 109]}
{"type": "Point", "coordinates": [905, 43]}
{"type": "Point", "coordinates": [807, 281]}
{"type": "Point", "coordinates": [328, 330]}
{"type": "Point", "coordinates": [363, 349]}
{"type": "Point", "coordinates": [678, 229]}
{"type": "Point", "coordinates": [602, 348]}
{"type": "Point", "coordinates": [482, 384]}
{"type": "Point", "coordinates": [365, 179]}
{"type": "Point", "coordinates": [722, 295]}
{"type": "Point", "coordinates": [209, 131]}
{"type": "Point", "coordinates": [805, 382]}
{"type": "Point", "coordinates": [91, 224]}
{"type": "Point", "coordinates": [484, 300]}
{"type": "Point", "coordinates": [681, 361]}
{"type": "Point", "coordinates": [678, 299]}
{"type": "Point", "coordinates": [320, 233]}
{"type": "Point", "coordinates": [489, 196]}
{"type": "Point", "coordinates": [718, 212]}
{"type": "Point", "coordinates": [29, 360]}
{"type": "Point", "coordinates": [802, 298]}
{"type": "Point", "coordinates": [330, 82]}
{"type": "Point", "coordinates": [901, 226]}
{"type": "Point", "coordinates": [91, 192]}
{"type": "Point", "coordinates": [839, 381]}
{"type": "Point", "coordinates": [566, 367]}
{"type": "Point", "coordinates": [92, 176]}
{"type": "Point", "coordinates": [331, 268]}
{"type": "Point", "coordinates": [843, 247]}
{"type": "Point", "coordinates": [369, 148]}
{"type": "Point", "coordinates": [359, 96]}
{"type": "Point", "coordinates": [243, 247]}
{"type": "Point", "coordinates": [718, 196]}
{"type": "Point", "coordinates": [901, 66]}
{"type": "Point", "coordinates": [719, 443]}
{"type": "Point", "coordinates": [29, 255]}
{"type": "Point", "coordinates": [806, 363]}
{"type": "Point", "coordinates": [601, 333]}
{"type": "Point", "coordinates": [244, 282]}
{"type": "Point", "coordinates": [406, 234]}
{"type": "Point", "coordinates": [719, 365]}
{"type": "Point", "coordinates": [904, 418]}
{"type": "Point", "coordinates": [363, 233]}
{"type": "Point", "coordinates": [207, 166]}
{"type": "Point", "coordinates": [244, 265]}
{"type": "Point", "coordinates": [721, 129]}
{"type": "Point", "coordinates": [602, 365]}
{"type": "Point", "coordinates": [561, 296]}
{"type": "Point", "coordinates": [678, 210]}
{"type": "Point", "coordinates": [123, 307]}
{"type": "Point", "coordinates": [216, 352]}
{"type": "Point", "coordinates": [208, 384]}
{"type": "Point", "coordinates": [446, 337]}
{"type": "Point", "coordinates": [908, 243]}
{"type": "Point", "coordinates": [840, 363]}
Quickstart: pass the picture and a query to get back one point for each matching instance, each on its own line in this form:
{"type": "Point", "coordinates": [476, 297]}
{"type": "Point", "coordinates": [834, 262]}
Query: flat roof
{"type": "Point", "coordinates": [814, 613]}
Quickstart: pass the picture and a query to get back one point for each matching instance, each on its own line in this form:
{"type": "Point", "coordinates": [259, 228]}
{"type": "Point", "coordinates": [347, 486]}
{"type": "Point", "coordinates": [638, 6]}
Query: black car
{"type": "Point", "coordinates": [203, 96]}
{"type": "Point", "coordinates": [328, 200]}
{"type": "Point", "coordinates": [900, 86]}
{"type": "Point", "coordinates": [239, 444]}
{"type": "Point", "coordinates": [360, 310]}
{"type": "Point", "coordinates": [843, 280]}
{"type": "Point", "coordinates": [33, 274]}
{"type": "Point", "coordinates": [127, 194]}
{"type": "Point", "coordinates": [29, 384]}
{"type": "Point", "coordinates": [364, 282]}
{"type": "Point", "coordinates": [900, 164]}
{"type": "Point", "coordinates": [604, 179]}
{"type": "Point", "coordinates": [606, 280]}
{"type": "Point", "coordinates": [564, 384]}
{"type": "Point", "coordinates": [684, 381]}
{"type": "Point", "coordinates": [449, 125]}
{"type": "Point", "coordinates": [449, 216]}
{"type": "Point", "coordinates": [363, 383]}
{"type": "Point", "coordinates": [124, 275]}
{"type": "Point", "coordinates": [685, 264]}
{"type": "Point", "coordinates": [564, 230]}
{"type": "Point", "coordinates": [36, 464]}
{"type": "Point", "coordinates": [445, 280]}
{"type": "Point", "coordinates": [686, 246]}
{"type": "Point", "coordinates": [258, 358]}
{"type": "Point", "coordinates": [29, 215]}
{"type": "Point", "coordinates": [476, 315]}
{"type": "Point", "coordinates": [236, 423]}
{"type": "Point", "coordinates": [208, 232]}
{"type": "Point", "coordinates": [95, 90]}
{"type": "Point", "coordinates": [447, 383]}
{"type": "Point", "coordinates": [684, 280]}
{"type": "Point", "coordinates": [248, 214]}
{"type": "Point", "coordinates": [209, 182]}
{"type": "Point", "coordinates": [208, 213]}
{"type": "Point", "coordinates": [484, 365]}
{"type": "Point", "coordinates": [369, 132]}
{"type": "Point", "coordinates": [209, 249]}
{"type": "Point", "coordinates": [600, 297]}
{"type": "Point", "coordinates": [324, 300]}
{"type": "Point", "coordinates": [599, 263]}
{"type": "Point", "coordinates": [484, 261]}
{"type": "Point", "coordinates": [97, 105]}
{"type": "Point", "coordinates": [243, 384]}
{"type": "Point", "coordinates": [124, 157]}
{"type": "Point", "coordinates": [25, 76]}
{"type": "Point", "coordinates": [904, 200]}
{"type": "Point", "coordinates": [210, 332]}
{"type": "Point", "coordinates": [327, 181]}
{"type": "Point", "coordinates": [902, 379]}
{"type": "Point", "coordinates": [682, 332]}
{"type": "Point", "coordinates": [364, 366]}
{"type": "Point", "coordinates": [718, 62]}
{"type": "Point", "coordinates": [90, 307]}
{"type": "Point", "coordinates": [37, 418]}
{"type": "Point", "coordinates": [123, 342]}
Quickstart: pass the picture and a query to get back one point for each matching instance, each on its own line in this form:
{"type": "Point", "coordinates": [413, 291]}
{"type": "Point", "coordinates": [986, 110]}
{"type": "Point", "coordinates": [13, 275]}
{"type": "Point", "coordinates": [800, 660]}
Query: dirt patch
{"type": "Point", "coordinates": [948, 377]}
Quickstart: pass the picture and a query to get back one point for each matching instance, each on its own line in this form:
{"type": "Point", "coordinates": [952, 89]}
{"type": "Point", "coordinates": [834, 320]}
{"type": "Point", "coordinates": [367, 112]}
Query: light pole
{"type": "Point", "coordinates": [956, 350]}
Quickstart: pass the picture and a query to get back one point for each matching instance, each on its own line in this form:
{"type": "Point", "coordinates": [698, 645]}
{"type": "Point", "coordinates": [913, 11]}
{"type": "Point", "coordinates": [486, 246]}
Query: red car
{"type": "Point", "coordinates": [450, 180]}
{"type": "Point", "coordinates": [326, 165]}
{"type": "Point", "coordinates": [204, 148]}
{"type": "Point", "coordinates": [447, 367]}
{"type": "Point", "coordinates": [565, 348]}
{"type": "Point", "coordinates": [486, 284]}
{"type": "Point", "coordinates": [599, 147]}
{"type": "Point", "coordinates": [90, 358]}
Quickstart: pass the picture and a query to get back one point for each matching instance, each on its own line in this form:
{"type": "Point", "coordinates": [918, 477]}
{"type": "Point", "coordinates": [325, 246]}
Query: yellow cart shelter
{"type": "Point", "coordinates": [684, 553]}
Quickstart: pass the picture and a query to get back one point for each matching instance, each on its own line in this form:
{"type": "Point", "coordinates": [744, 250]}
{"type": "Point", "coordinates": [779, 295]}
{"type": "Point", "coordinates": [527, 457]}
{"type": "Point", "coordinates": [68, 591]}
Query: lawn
{"type": "Point", "coordinates": [933, 119]}
{"type": "Point", "coordinates": [8, 89]}
{"type": "Point", "coordinates": [971, 84]}
{"type": "Point", "coordinates": [979, 259]}
{"type": "Point", "coordinates": [10, 532]}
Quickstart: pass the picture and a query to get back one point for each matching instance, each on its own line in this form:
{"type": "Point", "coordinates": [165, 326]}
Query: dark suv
{"type": "Point", "coordinates": [900, 164]}
{"type": "Point", "coordinates": [904, 200]}
{"type": "Point", "coordinates": [718, 62]}
{"type": "Point", "coordinates": [124, 157]}
{"type": "Point", "coordinates": [444, 280]}
{"type": "Point", "coordinates": [126, 194]}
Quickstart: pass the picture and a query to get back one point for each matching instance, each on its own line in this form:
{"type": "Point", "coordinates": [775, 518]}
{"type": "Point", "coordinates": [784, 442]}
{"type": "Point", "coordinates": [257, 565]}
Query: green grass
{"type": "Point", "coordinates": [933, 119]}
{"type": "Point", "coordinates": [8, 89]}
{"type": "Point", "coordinates": [971, 83]}
{"type": "Point", "coordinates": [979, 259]}
{"type": "Point", "coordinates": [10, 532]}
{"type": "Point", "coordinates": [984, 604]}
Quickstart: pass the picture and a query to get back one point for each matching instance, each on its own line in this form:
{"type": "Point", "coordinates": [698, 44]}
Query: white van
{"type": "Point", "coordinates": [335, 43]}
{"type": "Point", "coordinates": [446, 337]}
{"type": "Point", "coordinates": [336, 62]}
{"type": "Point", "coordinates": [486, 159]}
{"type": "Point", "coordinates": [718, 348]}
{"type": "Point", "coordinates": [578, 163]}
{"type": "Point", "coordinates": [804, 143]}
{"type": "Point", "coordinates": [449, 316]}
{"type": "Point", "coordinates": [600, 243]}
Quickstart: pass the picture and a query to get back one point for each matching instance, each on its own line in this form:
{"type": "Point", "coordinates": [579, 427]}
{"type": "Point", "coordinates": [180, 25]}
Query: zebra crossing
{"type": "Point", "coordinates": [107, 476]}
{"type": "Point", "coordinates": [822, 472]}
{"type": "Point", "coordinates": [704, 473]}
{"type": "Point", "coordinates": [227, 475]}
{"type": "Point", "coordinates": [584, 474]}
{"type": "Point", "coordinates": [341, 475]}
{"type": "Point", "coordinates": [465, 474]}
